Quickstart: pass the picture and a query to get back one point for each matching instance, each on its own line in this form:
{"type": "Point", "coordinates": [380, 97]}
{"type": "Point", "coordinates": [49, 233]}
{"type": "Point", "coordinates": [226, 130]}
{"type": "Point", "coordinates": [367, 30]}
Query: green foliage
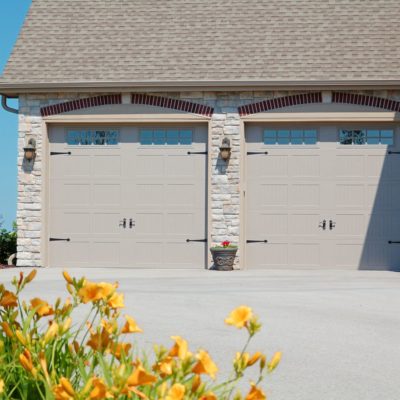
{"type": "Point", "coordinates": [8, 243]}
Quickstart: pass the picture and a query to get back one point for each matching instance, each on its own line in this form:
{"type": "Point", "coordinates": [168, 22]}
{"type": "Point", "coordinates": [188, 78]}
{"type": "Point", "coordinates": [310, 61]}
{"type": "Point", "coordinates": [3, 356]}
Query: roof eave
{"type": "Point", "coordinates": [12, 89]}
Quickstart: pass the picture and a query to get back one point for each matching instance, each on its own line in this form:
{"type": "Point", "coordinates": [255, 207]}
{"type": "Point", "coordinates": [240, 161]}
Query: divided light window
{"type": "Point", "coordinates": [92, 137]}
{"type": "Point", "coordinates": [366, 136]}
{"type": "Point", "coordinates": [166, 137]}
{"type": "Point", "coordinates": [290, 137]}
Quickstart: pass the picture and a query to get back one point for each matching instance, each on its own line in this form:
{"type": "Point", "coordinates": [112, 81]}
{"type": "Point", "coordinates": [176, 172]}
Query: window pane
{"type": "Point", "coordinates": [359, 136]}
{"type": "Point", "coordinates": [373, 140]}
{"type": "Point", "coordinates": [172, 137]}
{"type": "Point", "coordinates": [387, 134]}
{"type": "Point", "coordinates": [310, 133]}
{"type": "Point", "coordinates": [112, 137]}
{"type": "Point", "coordinates": [310, 140]}
{"type": "Point", "coordinates": [283, 137]}
{"type": "Point", "coordinates": [186, 137]}
{"type": "Point", "coordinates": [86, 137]}
{"type": "Point", "coordinates": [297, 134]}
{"type": "Point", "coordinates": [99, 137]}
{"type": "Point", "coordinates": [346, 137]}
{"type": "Point", "coordinates": [269, 141]}
{"type": "Point", "coordinates": [388, 141]}
{"type": "Point", "coordinates": [159, 137]}
{"type": "Point", "coordinates": [297, 140]}
{"type": "Point", "coordinates": [270, 134]}
{"type": "Point", "coordinates": [373, 133]}
{"type": "Point", "coordinates": [146, 137]}
{"type": "Point", "coordinates": [73, 137]}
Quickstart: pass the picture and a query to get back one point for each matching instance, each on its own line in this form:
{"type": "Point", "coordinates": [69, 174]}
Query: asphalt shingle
{"type": "Point", "coordinates": [206, 40]}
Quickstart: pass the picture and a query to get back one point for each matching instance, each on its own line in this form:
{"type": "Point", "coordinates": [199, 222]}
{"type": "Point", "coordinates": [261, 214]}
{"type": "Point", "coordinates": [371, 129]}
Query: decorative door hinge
{"type": "Point", "coordinates": [393, 242]}
{"type": "Point", "coordinates": [251, 153]}
{"type": "Point", "coordinates": [257, 241]}
{"type": "Point", "coordinates": [57, 153]}
{"type": "Point", "coordinates": [196, 240]}
{"type": "Point", "coordinates": [197, 152]}
{"type": "Point", "coordinates": [52, 239]}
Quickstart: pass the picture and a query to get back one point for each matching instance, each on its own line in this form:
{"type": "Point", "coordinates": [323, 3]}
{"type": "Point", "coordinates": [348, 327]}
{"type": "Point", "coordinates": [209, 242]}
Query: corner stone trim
{"type": "Point", "coordinates": [81, 103]}
{"type": "Point", "coordinates": [175, 104]}
{"type": "Point", "coordinates": [364, 100]}
{"type": "Point", "coordinates": [280, 102]}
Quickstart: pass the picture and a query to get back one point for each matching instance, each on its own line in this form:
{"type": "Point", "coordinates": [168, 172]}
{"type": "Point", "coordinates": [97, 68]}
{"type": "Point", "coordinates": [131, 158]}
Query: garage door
{"type": "Point", "coordinates": [323, 196]}
{"type": "Point", "coordinates": [128, 196]}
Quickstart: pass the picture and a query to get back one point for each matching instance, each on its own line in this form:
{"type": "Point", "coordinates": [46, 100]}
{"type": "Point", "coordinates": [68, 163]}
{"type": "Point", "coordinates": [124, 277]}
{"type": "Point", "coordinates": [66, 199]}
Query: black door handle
{"type": "Point", "coordinates": [332, 224]}
{"type": "Point", "coordinates": [322, 224]}
{"type": "Point", "coordinates": [131, 223]}
{"type": "Point", "coordinates": [123, 223]}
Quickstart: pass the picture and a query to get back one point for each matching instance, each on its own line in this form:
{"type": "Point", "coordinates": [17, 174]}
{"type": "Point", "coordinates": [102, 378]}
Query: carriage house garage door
{"type": "Point", "coordinates": [323, 196]}
{"type": "Point", "coordinates": [127, 196]}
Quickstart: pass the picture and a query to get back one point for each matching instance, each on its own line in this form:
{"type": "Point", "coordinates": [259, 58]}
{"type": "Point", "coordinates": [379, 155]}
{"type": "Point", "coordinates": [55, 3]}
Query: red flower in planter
{"type": "Point", "coordinates": [226, 243]}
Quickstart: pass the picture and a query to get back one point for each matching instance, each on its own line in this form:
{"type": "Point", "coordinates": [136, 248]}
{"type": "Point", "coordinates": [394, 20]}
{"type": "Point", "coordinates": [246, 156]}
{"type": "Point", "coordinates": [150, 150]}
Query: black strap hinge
{"type": "Point", "coordinates": [197, 152]}
{"type": "Point", "coordinates": [57, 153]}
{"type": "Point", "coordinates": [251, 153]}
{"type": "Point", "coordinates": [256, 241]}
{"type": "Point", "coordinates": [393, 242]}
{"type": "Point", "coordinates": [52, 239]}
{"type": "Point", "coordinates": [196, 240]}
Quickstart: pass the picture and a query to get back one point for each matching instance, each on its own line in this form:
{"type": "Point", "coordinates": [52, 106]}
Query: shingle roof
{"type": "Point", "coordinates": [206, 40]}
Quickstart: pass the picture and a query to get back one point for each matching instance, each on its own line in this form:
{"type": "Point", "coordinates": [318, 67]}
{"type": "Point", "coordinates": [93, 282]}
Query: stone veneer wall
{"type": "Point", "coordinates": [225, 178]}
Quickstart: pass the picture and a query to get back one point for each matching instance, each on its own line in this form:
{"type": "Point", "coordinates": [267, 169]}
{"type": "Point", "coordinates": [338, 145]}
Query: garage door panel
{"type": "Point", "coordinates": [304, 254]}
{"type": "Point", "coordinates": [160, 188]}
{"type": "Point", "coordinates": [271, 166]}
{"type": "Point", "coordinates": [273, 254]}
{"type": "Point", "coordinates": [301, 166]}
{"type": "Point", "coordinates": [355, 188]}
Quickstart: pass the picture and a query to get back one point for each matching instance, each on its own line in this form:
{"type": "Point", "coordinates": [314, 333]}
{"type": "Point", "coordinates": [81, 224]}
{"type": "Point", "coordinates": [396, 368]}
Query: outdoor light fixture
{"type": "Point", "coordinates": [225, 149]}
{"type": "Point", "coordinates": [30, 150]}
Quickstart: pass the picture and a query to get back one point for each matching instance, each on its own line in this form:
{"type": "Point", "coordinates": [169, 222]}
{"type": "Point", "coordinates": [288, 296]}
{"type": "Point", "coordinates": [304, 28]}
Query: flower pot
{"type": "Point", "coordinates": [223, 258]}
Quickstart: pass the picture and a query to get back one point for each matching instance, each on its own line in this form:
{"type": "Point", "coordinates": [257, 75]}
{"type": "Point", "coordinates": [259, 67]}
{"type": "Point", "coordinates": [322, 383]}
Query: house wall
{"type": "Point", "coordinates": [224, 178]}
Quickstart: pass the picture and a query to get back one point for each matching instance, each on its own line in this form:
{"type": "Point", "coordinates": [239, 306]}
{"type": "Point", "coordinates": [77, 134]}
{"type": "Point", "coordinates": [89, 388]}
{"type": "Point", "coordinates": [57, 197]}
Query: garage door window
{"type": "Point", "coordinates": [366, 137]}
{"type": "Point", "coordinates": [166, 137]}
{"type": "Point", "coordinates": [290, 137]}
{"type": "Point", "coordinates": [97, 137]}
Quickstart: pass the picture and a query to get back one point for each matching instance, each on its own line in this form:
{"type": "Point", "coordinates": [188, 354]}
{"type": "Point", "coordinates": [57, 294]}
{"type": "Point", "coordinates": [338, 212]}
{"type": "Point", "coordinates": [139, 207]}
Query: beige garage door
{"type": "Point", "coordinates": [323, 196]}
{"type": "Point", "coordinates": [128, 196]}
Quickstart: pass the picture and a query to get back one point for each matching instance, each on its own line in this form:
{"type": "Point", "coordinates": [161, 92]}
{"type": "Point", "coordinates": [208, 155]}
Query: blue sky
{"type": "Point", "coordinates": [12, 14]}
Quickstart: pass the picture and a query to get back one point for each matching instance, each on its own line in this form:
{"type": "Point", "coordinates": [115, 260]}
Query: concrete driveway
{"type": "Point", "coordinates": [339, 331]}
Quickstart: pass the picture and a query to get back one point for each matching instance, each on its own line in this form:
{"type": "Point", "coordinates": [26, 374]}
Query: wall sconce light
{"type": "Point", "coordinates": [30, 150]}
{"type": "Point", "coordinates": [225, 149]}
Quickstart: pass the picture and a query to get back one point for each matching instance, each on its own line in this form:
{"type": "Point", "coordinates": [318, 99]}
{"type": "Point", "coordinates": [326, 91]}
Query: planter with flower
{"type": "Point", "coordinates": [224, 256]}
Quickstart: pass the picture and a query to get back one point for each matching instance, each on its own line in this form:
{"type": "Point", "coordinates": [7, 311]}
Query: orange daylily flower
{"type": "Point", "coordinates": [110, 327]}
{"type": "Point", "coordinates": [180, 349]}
{"type": "Point", "coordinates": [255, 393]}
{"type": "Point", "coordinates": [31, 276]}
{"type": "Point", "coordinates": [43, 309]}
{"type": "Point", "coordinates": [196, 383]}
{"type": "Point", "coordinates": [8, 299]}
{"type": "Point", "coordinates": [64, 390]}
{"type": "Point", "coordinates": [177, 392]}
{"type": "Point", "coordinates": [25, 359]}
{"type": "Point", "coordinates": [7, 329]}
{"type": "Point", "coordinates": [99, 390]}
{"type": "Point", "coordinates": [205, 365]}
{"type": "Point", "coordinates": [120, 348]}
{"type": "Point", "coordinates": [275, 361]}
{"type": "Point", "coordinates": [116, 301]}
{"type": "Point", "coordinates": [52, 332]}
{"type": "Point", "coordinates": [67, 277]}
{"type": "Point", "coordinates": [239, 317]}
{"type": "Point", "coordinates": [99, 341]}
{"type": "Point", "coordinates": [209, 396]}
{"type": "Point", "coordinates": [164, 367]}
{"type": "Point", "coordinates": [93, 292]}
{"type": "Point", "coordinates": [140, 377]}
{"type": "Point", "coordinates": [256, 356]}
{"type": "Point", "coordinates": [130, 326]}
